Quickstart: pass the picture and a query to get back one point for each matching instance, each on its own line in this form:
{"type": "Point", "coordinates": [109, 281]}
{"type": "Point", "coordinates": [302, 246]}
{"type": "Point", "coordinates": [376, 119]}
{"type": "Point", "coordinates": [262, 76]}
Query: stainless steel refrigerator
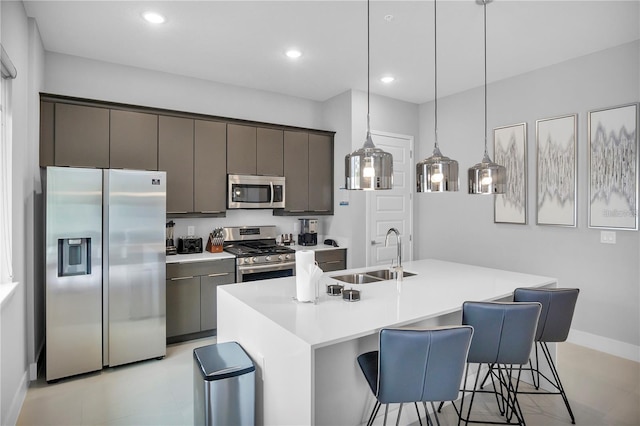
{"type": "Point", "coordinates": [105, 268]}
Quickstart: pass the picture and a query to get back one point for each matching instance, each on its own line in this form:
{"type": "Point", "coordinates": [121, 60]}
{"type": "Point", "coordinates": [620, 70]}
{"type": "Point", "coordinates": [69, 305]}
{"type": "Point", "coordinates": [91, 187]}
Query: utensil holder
{"type": "Point", "coordinates": [214, 244]}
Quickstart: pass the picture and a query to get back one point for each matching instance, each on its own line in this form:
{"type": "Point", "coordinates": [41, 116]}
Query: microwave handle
{"type": "Point", "coordinates": [271, 184]}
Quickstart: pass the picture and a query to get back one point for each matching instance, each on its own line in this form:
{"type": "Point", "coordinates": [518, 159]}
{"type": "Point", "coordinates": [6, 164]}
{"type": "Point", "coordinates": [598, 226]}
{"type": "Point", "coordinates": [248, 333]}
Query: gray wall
{"type": "Point", "coordinates": [459, 227]}
{"type": "Point", "coordinates": [21, 40]}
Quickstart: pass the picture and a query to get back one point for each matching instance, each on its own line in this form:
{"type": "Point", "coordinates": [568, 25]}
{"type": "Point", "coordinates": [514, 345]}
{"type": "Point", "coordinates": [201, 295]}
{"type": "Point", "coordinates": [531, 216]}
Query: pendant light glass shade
{"type": "Point", "coordinates": [368, 168]}
{"type": "Point", "coordinates": [487, 177]}
{"type": "Point", "coordinates": [436, 173]}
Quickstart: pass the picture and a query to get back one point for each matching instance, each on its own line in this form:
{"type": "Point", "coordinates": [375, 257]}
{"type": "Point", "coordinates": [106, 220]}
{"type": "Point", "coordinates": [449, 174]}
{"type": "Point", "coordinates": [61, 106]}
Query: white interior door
{"type": "Point", "coordinates": [392, 208]}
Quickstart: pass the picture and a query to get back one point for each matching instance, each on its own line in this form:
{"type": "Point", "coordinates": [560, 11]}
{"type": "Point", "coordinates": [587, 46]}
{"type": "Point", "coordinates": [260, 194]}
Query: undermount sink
{"type": "Point", "coordinates": [370, 276]}
{"type": "Point", "coordinates": [360, 278]}
{"type": "Point", "coordinates": [386, 274]}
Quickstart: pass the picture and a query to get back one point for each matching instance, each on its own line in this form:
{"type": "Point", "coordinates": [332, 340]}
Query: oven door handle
{"type": "Point", "coordinates": [272, 267]}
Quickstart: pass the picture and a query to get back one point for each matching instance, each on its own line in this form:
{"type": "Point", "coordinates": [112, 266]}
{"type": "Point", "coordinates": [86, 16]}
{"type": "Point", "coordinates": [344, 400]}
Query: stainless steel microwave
{"type": "Point", "coordinates": [255, 192]}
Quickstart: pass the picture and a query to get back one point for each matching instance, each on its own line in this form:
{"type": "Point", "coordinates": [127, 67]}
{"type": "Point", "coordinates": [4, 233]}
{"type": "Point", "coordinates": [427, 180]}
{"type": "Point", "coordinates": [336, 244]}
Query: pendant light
{"type": "Point", "coordinates": [436, 173]}
{"type": "Point", "coordinates": [487, 177]}
{"type": "Point", "coordinates": [368, 168]}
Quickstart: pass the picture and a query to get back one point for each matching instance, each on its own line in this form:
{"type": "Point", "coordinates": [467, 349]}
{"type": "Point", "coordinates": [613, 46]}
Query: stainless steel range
{"type": "Point", "coordinates": [258, 257]}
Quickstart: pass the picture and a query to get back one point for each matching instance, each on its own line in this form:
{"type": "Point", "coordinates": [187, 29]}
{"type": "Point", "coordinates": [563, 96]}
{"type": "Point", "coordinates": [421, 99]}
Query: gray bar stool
{"type": "Point", "coordinates": [416, 365]}
{"type": "Point", "coordinates": [558, 305]}
{"type": "Point", "coordinates": [503, 338]}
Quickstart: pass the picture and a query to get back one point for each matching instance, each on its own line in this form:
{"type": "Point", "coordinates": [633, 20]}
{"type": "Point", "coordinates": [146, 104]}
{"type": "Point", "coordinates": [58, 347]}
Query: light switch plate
{"type": "Point", "coordinates": [607, 237]}
{"type": "Point", "coordinates": [191, 230]}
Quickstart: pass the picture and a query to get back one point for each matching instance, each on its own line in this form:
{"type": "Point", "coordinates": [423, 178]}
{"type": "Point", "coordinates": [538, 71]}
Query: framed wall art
{"type": "Point", "coordinates": [510, 148]}
{"type": "Point", "coordinates": [556, 164]}
{"type": "Point", "coordinates": [613, 167]}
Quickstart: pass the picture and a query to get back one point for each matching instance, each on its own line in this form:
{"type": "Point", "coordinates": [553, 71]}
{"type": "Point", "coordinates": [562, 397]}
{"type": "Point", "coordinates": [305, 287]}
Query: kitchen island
{"type": "Point", "coordinates": [305, 353]}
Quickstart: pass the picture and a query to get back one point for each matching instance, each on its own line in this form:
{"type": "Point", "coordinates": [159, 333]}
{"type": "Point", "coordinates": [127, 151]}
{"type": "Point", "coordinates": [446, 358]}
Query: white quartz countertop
{"type": "Point", "coordinates": [198, 257]}
{"type": "Point", "coordinates": [438, 288]}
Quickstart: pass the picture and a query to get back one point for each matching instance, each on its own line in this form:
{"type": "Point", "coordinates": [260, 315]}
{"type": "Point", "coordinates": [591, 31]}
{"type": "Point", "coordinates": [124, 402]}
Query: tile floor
{"type": "Point", "coordinates": [603, 390]}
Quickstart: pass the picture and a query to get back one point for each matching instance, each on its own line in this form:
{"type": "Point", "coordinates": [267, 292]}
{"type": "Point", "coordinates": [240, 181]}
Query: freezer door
{"type": "Point", "coordinates": [134, 291]}
{"type": "Point", "coordinates": [73, 281]}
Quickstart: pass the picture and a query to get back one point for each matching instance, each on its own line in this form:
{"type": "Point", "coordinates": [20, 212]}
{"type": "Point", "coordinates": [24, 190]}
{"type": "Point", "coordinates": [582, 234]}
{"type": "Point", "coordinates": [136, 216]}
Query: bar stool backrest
{"type": "Point", "coordinates": [422, 364]}
{"type": "Point", "coordinates": [558, 305]}
{"type": "Point", "coordinates": [503, 332]}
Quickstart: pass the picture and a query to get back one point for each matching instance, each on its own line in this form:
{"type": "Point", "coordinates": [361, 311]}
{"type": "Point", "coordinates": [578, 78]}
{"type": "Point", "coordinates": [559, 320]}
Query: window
{"type": "Point", "coordinates": [8, 73]}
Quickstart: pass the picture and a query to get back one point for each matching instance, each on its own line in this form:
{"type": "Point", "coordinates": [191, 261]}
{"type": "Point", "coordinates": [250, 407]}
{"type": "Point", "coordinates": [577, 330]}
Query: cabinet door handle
{"type": "Point", "coordinates": [319, 211]}
{"type": "Point", "coordinates": [211, 211]}
{"type": "Point", "coordinates": [181, 278]}
{"type": "Point", "coordinates": [296, 211]}
{"type": "Point", "coordinates": [333, 261]}
{"type": "Point", "coordinates": [175, 212]}
{"type": "Point", "coordinates": [221, 274]}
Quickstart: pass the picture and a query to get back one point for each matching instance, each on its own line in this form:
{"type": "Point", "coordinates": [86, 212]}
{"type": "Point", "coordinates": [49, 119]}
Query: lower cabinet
{"type": "Point", "coordinates": [332, 259]}
{"type": "Point", "coordinates": [191, 296]}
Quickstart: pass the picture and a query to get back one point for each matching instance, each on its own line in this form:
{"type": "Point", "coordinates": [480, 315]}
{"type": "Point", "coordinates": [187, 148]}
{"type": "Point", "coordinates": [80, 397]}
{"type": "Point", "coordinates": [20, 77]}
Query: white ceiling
{"type": "Point", "coordinates": [243, 42]}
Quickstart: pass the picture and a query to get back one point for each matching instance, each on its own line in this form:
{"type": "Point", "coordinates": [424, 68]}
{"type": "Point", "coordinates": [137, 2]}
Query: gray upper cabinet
{"type": "Point", "coordinates": [134, 140]}
{"type": "Point", "coordinates": [270, 154]}
{"type": "Point", "coordinates": [320, 173]}
{"type": "Point", "coordinates": [308, 168]}
{"type": "Point", "coordinates": [81, 136]}
{"type": "Point", "coordinates": [296, 171]}
{"type": "Point", "coordinates": [176, 156]}
{"type": "Point", "coordinates": [197, 152]}
{"type": "Point", "coordinates": [47, 127]}
{"type": "Point", "coordinates": [241, 149]}
{"type": "Point", "coordinates": [210, 171]}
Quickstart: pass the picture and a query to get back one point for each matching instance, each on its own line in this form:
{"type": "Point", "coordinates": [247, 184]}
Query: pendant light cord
{"type": "Point", "coordinates": [435, 72]}
{"type": "Point", "coordinates": [368, 74]}
{"type": "Point", "coordinates": [486, 153]}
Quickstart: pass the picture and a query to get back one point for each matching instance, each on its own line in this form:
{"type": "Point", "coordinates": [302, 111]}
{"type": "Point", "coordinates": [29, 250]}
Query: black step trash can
{"type": "Point", "coordinates": [223, 385]}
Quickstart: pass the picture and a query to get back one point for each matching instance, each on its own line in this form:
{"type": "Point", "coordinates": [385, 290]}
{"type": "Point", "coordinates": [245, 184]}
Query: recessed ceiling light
{"type": "Point", "coordinates": [153, 17]}
{"type": "Point", "coordinates": [387, 79]}
{"type": "Point", "coordinates": [293, 53]}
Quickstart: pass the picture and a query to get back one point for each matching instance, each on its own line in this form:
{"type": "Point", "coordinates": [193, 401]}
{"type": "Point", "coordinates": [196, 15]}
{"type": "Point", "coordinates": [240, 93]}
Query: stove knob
{"type": "Point", "coordinates": [255, 260]}
{"type": "Point", "coordinates": [287, 256]}
{"type": "Point", "coordinates": [280, 257]}
{"type": "Point", "coordinates": [267, 258]}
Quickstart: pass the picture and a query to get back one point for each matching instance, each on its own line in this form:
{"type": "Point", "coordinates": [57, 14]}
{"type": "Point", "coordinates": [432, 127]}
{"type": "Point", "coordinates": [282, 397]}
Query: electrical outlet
{"type": "Point", "coordinates": [607, 237]}
{"type": "Point", "coordinates": [191, 230]}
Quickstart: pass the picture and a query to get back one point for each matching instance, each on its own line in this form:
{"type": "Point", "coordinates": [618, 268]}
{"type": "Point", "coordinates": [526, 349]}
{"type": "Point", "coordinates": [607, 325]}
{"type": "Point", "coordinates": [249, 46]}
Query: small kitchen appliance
{"type": "Point", "coordinates": [188, 245]}
{"type": "Point", "coordinates": [308, 235]}
{"type": "Point", "coordinates": [170, 245]}
{"type": "Point", "coordinates": [255, 192]}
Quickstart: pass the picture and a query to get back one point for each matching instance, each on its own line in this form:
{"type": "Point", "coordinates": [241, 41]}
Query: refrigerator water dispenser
{"type": "Point", "coordinates": [74, 256]}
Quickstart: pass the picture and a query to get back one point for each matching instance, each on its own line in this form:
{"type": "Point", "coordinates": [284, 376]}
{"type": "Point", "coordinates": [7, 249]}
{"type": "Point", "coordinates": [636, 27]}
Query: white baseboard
{"type": "Point", "coordinates": [604, 344]}
{"type": "Point", "coordinates": [16, 403]}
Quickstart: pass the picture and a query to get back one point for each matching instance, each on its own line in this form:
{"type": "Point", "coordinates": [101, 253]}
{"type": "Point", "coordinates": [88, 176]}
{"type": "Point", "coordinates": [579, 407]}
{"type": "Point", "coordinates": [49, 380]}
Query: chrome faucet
{"type": "Point", "coordinates": [386, 240]}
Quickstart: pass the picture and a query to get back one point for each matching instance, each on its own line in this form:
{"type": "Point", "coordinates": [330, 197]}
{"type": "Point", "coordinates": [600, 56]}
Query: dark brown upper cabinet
{"type": "Point", "coordinates": [241, 149]}
{"type": "Point", "coordinates": [81, 136]}
{"type": "Point", "coordinates": [210, 185]}
{"type": "Point", "coordinates": [308, 169]}
{"type": "Point", "coordinates": [134, 140]}
{"type": "Point", "coordinates": [270, 152]}
{"type": "Point", "coordinates": [175, 156]}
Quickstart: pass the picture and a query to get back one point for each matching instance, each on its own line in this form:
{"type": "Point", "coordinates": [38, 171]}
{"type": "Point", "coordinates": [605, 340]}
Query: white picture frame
{"type": "Point", "coordinates": [510, 148]}
{"type": "Point", "coordinates": [613, 167]}
{"type": "Point", "coordinates": [556, 170]}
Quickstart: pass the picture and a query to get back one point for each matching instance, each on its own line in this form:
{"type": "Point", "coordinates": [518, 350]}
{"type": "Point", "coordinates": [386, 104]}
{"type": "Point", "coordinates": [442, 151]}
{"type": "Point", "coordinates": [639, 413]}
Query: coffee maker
{"type": "Point", "coordinates": [308, 235]}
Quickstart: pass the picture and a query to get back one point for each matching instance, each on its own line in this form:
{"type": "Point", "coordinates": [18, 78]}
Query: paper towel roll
{"type": "Point", "coordinates": [305, 289]}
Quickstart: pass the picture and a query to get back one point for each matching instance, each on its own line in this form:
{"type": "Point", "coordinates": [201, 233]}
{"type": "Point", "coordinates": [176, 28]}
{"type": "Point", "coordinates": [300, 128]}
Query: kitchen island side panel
{"type": "Point", "coordinates": [284, 363]}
